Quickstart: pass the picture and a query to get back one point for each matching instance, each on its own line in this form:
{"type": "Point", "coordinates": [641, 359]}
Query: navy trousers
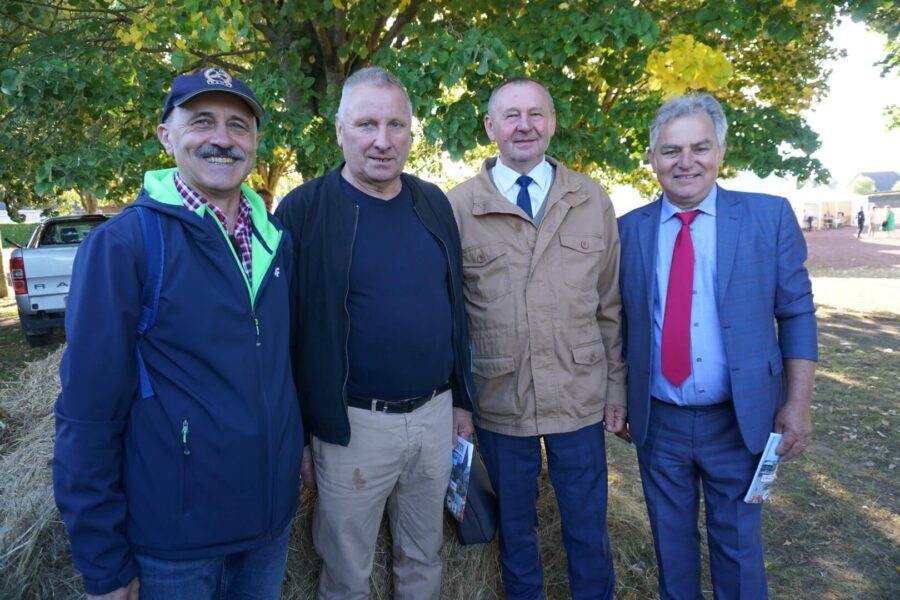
{"type": "Point", "coordinates": [687, 447]}
{"type": "Point", "coordinates": [577, 466]}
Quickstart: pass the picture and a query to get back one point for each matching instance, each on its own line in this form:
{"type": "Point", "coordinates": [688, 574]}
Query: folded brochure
{"type": "Point", "coordinates": [459, 477]}
{"type": "Point", "coordinates": [765, 472]}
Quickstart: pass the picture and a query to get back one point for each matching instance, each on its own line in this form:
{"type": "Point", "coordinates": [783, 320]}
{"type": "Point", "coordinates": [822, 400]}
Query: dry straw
{"type": "Point", "coordinates": [34, 550]}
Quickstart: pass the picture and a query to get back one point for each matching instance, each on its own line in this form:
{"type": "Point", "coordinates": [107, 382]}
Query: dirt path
{"type": "Point", "coordinates": [839, 248]}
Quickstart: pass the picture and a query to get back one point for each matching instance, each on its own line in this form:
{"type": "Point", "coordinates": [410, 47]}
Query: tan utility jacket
{"type": "Point", "coordinates": [543, 304]}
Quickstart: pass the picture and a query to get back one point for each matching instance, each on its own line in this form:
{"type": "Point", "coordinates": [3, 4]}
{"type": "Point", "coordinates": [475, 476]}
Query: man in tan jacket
{"type": "Point", "coordinates": [541, 271]}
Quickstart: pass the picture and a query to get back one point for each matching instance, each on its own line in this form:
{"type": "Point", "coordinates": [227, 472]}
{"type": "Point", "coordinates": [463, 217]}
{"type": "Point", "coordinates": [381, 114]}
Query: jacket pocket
{"type": "Point", "coordinates": [581, 255]}
{"type": "Point", "coordinates": [589, 354]}
{"type": "Point", "coordinates": [776, 363]}
{"type": "Point", "coordinates": [184, 437]}
{"type": "Point", "coordinates": [486, 272]}
{"type": "Point", "coordinates": [494, 366]}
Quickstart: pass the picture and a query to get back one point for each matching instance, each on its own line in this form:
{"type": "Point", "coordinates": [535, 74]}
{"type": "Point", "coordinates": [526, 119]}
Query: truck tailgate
{"type": "Point", "coordinates": [48, 272]}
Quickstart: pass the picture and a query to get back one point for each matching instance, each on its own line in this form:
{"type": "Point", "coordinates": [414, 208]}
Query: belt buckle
{"type": "Point", "coordinates": [375, 406]}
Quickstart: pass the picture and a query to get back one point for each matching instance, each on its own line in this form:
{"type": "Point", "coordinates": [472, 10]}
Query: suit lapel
{"type": "Point", "coordinates": [648, 230]}
{"type": "Point", "coordinates": [728, 226]}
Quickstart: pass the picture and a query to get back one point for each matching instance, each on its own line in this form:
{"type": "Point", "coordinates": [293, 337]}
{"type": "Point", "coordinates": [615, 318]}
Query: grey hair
{"type": "Point", "coordinates": [683, 106]}
{"type": "Point", "coordinates": [373, 76]}
{"type": "Point", "coordinates": [519, 81]}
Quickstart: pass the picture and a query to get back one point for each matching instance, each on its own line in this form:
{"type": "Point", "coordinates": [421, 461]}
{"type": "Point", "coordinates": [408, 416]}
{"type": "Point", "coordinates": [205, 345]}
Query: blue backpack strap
{"type": "Point", "coordinates": [154, 257]}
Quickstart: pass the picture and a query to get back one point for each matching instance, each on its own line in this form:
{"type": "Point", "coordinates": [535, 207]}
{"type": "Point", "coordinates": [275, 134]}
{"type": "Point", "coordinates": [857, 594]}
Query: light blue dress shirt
{"type": "Point", "coordinates": [708, 382]}
{"type": "Point", "coordinates": [505, 180]}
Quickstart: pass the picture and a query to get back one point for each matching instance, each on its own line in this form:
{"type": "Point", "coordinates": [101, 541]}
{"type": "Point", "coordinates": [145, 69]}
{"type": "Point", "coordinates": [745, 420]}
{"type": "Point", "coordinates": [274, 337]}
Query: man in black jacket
{"type": "Point", "coordinates": [380, 346]}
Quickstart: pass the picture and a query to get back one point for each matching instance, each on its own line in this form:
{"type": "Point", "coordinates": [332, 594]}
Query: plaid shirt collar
{"type": "Point", "coordinates": [243, 225]}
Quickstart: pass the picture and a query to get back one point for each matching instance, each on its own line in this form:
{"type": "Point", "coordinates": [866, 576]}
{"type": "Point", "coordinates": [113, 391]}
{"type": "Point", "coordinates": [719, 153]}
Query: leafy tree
{"type": "Point", "coordinates": [862, 185]}
{"type": "Point", "coordinates": [884, 17]}
{"type": "Point", "coordinates": [83, 80]}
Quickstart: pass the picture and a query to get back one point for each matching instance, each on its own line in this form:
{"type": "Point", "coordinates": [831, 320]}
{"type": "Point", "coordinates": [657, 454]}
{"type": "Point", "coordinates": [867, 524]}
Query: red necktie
{"type": "Point", "coordinates": [676, 333]}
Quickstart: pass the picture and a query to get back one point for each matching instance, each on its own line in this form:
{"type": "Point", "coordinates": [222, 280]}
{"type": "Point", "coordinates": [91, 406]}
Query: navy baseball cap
{"type": "Point", "coordinates": [212, 79]}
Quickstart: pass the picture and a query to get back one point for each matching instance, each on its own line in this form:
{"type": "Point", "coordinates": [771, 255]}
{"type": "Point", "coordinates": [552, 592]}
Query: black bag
{"type": "Point", "coordinates": [479, 522]}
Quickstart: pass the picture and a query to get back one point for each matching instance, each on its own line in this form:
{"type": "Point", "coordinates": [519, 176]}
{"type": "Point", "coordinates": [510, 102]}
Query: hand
{"type": "Point", "coordinates": [308, 469]}
{"type": "Point", "coordinates": [131, 592]}
{"type": "Point", "coordinates": [462, 425]}
{"type": "Point", "coordinates": [625, 433]}
{"type": "Point", "coordinates": [795, 422]}
{"type": "Point", "coordinates": [615, 418]}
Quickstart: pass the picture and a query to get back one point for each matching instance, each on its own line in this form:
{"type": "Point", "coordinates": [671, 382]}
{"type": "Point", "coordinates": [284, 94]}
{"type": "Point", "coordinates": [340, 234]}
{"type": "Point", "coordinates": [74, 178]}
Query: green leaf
{"type": "Point", "coordinates": [9, 79]}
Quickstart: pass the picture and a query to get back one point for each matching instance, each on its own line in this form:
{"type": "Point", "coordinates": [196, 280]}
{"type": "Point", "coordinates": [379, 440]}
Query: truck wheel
{"type": "Point", "coordinates": [36, 340]}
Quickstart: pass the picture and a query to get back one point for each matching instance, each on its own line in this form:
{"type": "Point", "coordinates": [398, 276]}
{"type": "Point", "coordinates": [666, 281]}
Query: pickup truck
{"type": "Point", "coordinates": [40, 273]}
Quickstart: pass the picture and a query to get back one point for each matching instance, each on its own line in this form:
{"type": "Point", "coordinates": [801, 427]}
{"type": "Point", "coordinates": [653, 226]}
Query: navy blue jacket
{"type": "Point", "coordinates": [322, 222]}
{"type": "Point", "coordinates": [210, 464]}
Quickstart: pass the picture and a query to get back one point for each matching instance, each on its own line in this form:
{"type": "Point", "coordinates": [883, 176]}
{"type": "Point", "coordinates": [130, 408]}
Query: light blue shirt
{"type": "Point", "coordinates": [505, 180]}
{"type": "Point", "coordinates": [708, 382]}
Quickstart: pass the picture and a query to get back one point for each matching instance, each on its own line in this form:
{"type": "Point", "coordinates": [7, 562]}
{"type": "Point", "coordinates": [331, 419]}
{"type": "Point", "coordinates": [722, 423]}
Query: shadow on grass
{"type": "Point", "coordinates": [832, 529]}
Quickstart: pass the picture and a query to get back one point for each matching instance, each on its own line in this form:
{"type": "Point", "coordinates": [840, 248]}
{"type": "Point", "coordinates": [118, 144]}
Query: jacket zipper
{"type": "Point", "coordinates": [185, 430]}
{"type": "Point", "coordinates": [453, 302]}
{"type": "Point", "coordinates": [271, 466]}
{"type": "Point", "coordinates": [347, 312]}
{"type": "Point", "coordinates": [185, 507]}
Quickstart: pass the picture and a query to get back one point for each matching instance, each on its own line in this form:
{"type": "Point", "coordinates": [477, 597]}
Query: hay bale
{"type": "Point", "coordinates": [24, 402]}
{"type": "Point", "coordinates": [35, 561]}
{"type": "Point", "coordinates": [34, 551]}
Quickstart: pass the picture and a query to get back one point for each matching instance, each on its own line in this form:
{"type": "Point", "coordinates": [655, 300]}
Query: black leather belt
{"type": "Point", "coordinates": [715, 406]}
{"type": "Point", "coordinates": [406, 405]}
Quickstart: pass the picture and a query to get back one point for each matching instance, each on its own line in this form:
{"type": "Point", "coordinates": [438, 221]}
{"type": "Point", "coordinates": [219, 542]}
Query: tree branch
{"type": "Point", "coordinates": [402, 20]}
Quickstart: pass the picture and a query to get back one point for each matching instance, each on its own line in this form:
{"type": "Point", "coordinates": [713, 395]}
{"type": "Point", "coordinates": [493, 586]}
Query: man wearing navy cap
{"type": "Point", "coordinates": [179, 437]}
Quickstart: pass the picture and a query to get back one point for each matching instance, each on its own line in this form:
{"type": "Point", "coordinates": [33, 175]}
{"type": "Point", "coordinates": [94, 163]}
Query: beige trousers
{"type": "Point", "coordinates": [401, 459]}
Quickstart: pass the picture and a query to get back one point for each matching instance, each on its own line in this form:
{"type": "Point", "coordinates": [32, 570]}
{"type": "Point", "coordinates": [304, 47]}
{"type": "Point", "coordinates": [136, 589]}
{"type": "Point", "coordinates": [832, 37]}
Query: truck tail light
{"type": "Point", "coordinates": [17, 272]}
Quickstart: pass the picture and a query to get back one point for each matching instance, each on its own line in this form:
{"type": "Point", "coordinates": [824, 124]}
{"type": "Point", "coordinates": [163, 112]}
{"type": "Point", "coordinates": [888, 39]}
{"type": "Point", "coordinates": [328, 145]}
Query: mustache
{"type": "Point", "coordinates": [212, 150]}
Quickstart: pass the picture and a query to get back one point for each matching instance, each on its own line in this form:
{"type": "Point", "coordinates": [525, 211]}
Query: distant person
{"type": "Point", "coordinates": [889, 221]}
{"type": "Point", "coordinates": [177, 459]}
{"type": "Point", "coordinates": [860, 221]}
{"type": "Point", "coordinates": [809, 222]}
{"type": "Point", "coordinates": [267, 197]}
{"type": "Point", "coordinates": [720, 343]}
{"type": "Point", "coordinates": [873, 217]}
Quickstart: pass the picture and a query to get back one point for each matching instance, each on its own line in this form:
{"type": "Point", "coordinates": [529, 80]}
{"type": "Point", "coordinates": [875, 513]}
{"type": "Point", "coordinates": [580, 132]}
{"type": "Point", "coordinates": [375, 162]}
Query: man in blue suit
{"type": "Point", "coordinates": [706, 276]}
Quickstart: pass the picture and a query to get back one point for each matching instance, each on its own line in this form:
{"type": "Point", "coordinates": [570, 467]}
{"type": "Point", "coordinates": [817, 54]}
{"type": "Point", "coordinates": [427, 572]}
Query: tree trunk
{"type": "Point", "coordinates": [89, 203]}
{"type": "Point", "coordinates": [270, 173]}
{"type": "Point", "coordinates": [4, 291]}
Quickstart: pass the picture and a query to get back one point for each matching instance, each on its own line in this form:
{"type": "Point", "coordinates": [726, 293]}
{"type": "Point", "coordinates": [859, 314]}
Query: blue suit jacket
{"type": "Point", "coordinates": [764, 298]}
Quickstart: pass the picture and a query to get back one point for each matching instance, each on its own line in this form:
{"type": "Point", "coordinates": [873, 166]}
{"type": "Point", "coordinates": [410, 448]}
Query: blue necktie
{"type": "Point", "coordinates": [524, 199]}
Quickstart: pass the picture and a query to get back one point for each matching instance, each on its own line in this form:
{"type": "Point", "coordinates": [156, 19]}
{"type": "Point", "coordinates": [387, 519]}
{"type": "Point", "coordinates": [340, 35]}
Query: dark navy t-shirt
{"type": "Point", "coordinates": [399, 301]}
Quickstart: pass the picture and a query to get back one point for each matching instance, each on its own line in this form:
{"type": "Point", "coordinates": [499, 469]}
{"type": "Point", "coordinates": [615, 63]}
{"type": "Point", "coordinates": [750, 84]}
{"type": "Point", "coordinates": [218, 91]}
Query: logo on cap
{"type": "Point", "coordinates": [216, 76]}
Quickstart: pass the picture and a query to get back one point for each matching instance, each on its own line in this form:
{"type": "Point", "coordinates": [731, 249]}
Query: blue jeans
{"type": "Point", "coordinates": [255, 574]}
{"type": "Point", "coordinates": [576, 461]}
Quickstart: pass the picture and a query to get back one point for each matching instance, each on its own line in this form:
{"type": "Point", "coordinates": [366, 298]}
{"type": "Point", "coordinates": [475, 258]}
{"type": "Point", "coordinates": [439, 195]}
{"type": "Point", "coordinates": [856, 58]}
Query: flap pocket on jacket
{"type": "Point", "coordinates": [494, 366]}
{"type": "Point", "coordinates": [581, 256]}
{"type": "Point", "coordinates": [589, 354]}
{"type": "Point", "coordinates": [486, 272]}
{"type": "Point", "coordinates": [582, 242]}
{"type": "Point", "coordinates": [776, 363]}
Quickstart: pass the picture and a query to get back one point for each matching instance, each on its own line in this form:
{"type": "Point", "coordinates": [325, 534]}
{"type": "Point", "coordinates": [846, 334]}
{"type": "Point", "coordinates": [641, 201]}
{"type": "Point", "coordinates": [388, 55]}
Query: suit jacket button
{"type": "Point", "coordinates": [585, 244]}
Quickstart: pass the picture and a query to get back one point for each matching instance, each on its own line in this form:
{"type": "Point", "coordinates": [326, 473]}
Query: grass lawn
{"type": "Point", "coordinates": [832, 526]}
{"type": "Point", "coordinates": [14, 350]}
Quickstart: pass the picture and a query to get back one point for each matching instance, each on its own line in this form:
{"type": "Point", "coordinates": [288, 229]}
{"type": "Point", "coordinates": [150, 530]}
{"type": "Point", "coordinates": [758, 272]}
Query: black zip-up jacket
{"type": "Point", "coordinates": [322, 222]}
